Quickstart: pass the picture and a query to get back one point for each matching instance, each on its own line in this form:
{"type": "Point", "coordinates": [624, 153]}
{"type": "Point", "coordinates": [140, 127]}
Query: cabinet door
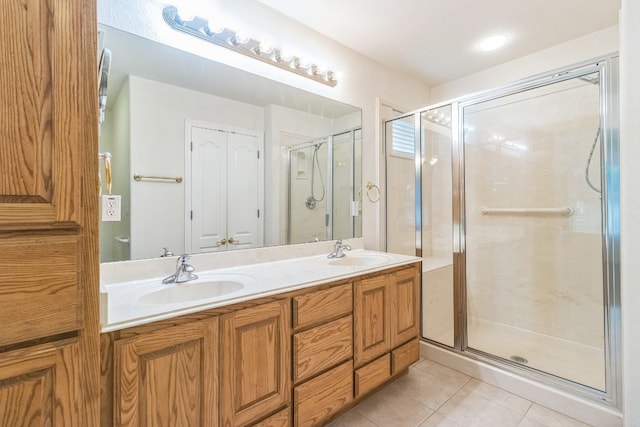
{"type": "Point", "coordinates": [371, 318]}
{"type": "Point", "coordinates": [405, 308]}
{"type": "Point", "coordinates": [41, 124]}
{"type": "Point", "coordinates": [40, 386]}
{"type": "Point", "coordinates": [256, 362]}
{"type": "Point", "coordinates": [167, 377]}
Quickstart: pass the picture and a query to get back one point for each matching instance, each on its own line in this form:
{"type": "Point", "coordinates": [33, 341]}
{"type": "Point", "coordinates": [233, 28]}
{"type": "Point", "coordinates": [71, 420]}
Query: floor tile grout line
{"type": "Point", "coordinates": [498, 403]}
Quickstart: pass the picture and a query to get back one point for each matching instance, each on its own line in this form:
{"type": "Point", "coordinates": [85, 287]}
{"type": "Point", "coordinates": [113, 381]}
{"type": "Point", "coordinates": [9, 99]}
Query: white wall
{"type": "Point", "coordinates": [581, 49]}
{"type": "Point", "coordinates": [114, 138]}
{"type": "Point", "coordinates": [361, 81]}
{"type": "Point", "coordinates": [630, 206]}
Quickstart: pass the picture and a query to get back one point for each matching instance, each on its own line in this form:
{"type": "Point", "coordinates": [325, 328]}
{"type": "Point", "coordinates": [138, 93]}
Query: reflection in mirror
{"type": "Point", "coordinates": [212, 148]}
{"type": "Point", "coordinates": [322, 179]}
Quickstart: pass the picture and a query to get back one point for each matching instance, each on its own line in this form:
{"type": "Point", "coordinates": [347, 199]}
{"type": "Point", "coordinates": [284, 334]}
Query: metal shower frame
{"type": "Point", "coordinates": [607, 67]}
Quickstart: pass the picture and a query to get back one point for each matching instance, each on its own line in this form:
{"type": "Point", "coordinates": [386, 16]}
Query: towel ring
{"type": "Point", "coordinates": [376, 197]}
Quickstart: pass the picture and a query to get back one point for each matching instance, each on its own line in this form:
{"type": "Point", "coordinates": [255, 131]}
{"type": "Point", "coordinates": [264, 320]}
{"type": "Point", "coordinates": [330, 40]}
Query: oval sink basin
{"type": "Point", "coordinates": [203, 288]}
{"type": "Point", "coordinates": [365, 260]}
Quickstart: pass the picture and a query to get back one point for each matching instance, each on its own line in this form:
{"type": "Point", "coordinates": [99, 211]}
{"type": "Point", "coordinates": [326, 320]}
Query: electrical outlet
{"type": "Point", "coordinates": [111, 208]}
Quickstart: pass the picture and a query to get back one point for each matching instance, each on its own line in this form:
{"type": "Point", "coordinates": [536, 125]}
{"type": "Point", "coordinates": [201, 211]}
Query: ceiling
{"type": "Point", "coordinates": [434, 40]}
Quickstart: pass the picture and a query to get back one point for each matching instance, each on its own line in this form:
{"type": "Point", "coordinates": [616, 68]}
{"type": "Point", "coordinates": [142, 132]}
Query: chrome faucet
{"type": "Point", "coordinates": [338, 249]}
{"type": "Point", "coordinates": [167, 252]}
{"type": "Point", "coordinates": [184, 271]}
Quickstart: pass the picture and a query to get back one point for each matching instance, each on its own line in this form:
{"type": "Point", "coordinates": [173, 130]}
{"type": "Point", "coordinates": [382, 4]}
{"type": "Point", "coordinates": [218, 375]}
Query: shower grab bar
{"type": "Point", "coordinates": [177, 179]}
{"type": "Point", "coordinates": [565, 211]}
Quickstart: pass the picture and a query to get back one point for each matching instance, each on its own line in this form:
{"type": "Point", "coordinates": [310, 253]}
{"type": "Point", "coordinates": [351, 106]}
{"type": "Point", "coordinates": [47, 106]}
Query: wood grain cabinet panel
{"type": "Point", "coordinates": [319, 399]}
{"type": "Point", "coordinates": [372, 375]}
{"type": "Point", "coordinates": [39, 295]}
{"type": "Point", "coordinates": [255, 362]}
{"type": "Point", "coordinates": [320, 306]}
{"type": "Point", "coordinates": [403, 356]}
{"type": "Point", "coordinates": [322, 347]}
{"type": "Point", "coordinates": [40, 116]}
{"type": "Point", "coordinates": [49, 262]}
{"type": "Point", "coordinates": [40, 386]}
{"type": "Point", "coordinates": [405, 308]}
{"type": "Point", "coordinates": [168, 377]}
{"type": "Point", "coordinates": [371, 318]}
{"type": "Point", "coordinates": [279, 419]}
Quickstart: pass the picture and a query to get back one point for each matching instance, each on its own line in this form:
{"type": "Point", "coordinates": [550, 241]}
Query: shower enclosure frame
{"type": "Point", "coordinates": [607, 67]}
{"type": "Point", "coordinates": [329, 180]}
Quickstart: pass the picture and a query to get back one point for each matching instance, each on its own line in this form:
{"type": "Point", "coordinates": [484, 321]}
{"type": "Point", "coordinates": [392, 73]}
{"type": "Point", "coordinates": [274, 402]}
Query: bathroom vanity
{"type": "Point", "coordinates": [303, 342]}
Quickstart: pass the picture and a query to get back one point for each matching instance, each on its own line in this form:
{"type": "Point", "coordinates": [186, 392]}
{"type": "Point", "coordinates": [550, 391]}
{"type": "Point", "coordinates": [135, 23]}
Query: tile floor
{"type": "Point", "coordinates": [433, 395]}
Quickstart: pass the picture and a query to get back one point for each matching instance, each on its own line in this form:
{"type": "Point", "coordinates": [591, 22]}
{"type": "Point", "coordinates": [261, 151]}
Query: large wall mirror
{"type": "Point", "coordinates": [208, 158]}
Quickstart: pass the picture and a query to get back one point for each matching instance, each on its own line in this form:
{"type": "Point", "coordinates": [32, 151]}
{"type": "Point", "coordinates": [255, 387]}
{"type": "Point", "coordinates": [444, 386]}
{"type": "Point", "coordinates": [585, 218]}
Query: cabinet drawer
{"type": "Point", "coordinates": [40, 297]}
{"type": "Point", "coordinates": [279, 419]}
{"type": "Point", "coordinates": [322, 347]}
{"type": "Point", "coordinates": [403, 356]}
{"type": "Point", "coordinates": [320, 306]}
{"type": "Point", "coordinates": [372, 375]}
{"type": "Point", "coordinates": [317, 400]}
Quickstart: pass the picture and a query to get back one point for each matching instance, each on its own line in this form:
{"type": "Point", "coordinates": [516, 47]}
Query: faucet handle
{"type": "Point", "coordinates": [184, 259]}
{"type": "Point", "coordinates": [166, 252]}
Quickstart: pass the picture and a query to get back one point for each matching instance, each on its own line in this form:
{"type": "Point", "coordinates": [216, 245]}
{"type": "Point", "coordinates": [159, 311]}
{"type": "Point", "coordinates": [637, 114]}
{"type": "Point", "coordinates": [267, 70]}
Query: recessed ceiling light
{"type": "Point", "coordinates": [492, 43]}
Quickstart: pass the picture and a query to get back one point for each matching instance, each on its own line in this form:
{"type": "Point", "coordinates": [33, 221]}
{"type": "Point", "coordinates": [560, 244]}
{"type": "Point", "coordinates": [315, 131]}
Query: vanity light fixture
{"type": "Point", "coordinates": [225, 37]}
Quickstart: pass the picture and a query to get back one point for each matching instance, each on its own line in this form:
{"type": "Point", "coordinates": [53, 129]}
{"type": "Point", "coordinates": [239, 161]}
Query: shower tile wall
{"type": "Point", "coordinates": [308, 224]}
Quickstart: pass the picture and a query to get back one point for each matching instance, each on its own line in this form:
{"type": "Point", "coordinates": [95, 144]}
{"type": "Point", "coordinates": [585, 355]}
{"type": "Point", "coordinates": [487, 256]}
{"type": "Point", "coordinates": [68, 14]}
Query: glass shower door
{"type": "Point", "coordinates": [533, 226]}
{"type": "Point", "coordinates": [420, 209]}
{"type": "Point", "coordinates": [437, 225]}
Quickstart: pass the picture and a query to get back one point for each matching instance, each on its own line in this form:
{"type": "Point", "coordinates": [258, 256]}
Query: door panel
{"type": "Point", "coordinates": [208, 190]}
{"type": "Point", "coordinates": [227, 190]}
{"type": "Point", "coordinates": [243, 195]}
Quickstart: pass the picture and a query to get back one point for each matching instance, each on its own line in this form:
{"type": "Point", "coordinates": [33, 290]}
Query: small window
{"type": "Point", "coordinates": [403, 142]}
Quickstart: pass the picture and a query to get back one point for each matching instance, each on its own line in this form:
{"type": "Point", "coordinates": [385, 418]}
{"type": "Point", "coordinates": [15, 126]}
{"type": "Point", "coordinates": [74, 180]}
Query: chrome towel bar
{"type": "Point", "coordinates": [177, 179]}
{"type": "Point", "coordinates": [564, 211]}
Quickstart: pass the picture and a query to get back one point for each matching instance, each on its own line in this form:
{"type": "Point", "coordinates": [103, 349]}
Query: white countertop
{"type": "Point", "coordinates": [123, 304]}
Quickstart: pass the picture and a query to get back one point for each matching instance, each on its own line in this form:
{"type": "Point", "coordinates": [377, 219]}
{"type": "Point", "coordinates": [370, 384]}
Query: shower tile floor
{"type": "Point", "coordinates": [433, 395]}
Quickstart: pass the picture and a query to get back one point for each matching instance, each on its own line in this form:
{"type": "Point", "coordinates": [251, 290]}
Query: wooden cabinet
{"type": "Point", "coordinates": [322, 354]}
{"type": "Point", "coordinates": [281, 418]}
{"type": "Point", "coordinates": [405, 306]}
{"type": "Point", "coordinates": [322, 347]}
{"type": "Point", "coordinates": [372, 375]}
{"type": "Point", "coordinates": [168, 377]}
{"type": "Point", "coordinates": [386, 313]}
{"type": "Point", "coordinates": [274, 362]}
{"type": "Point", "coordinates": [38, 386]}
{"type": "Point", "coordinates": [255, 362]}
{"type": "Point", "coordinates": [372, 317]}
{"type": "Point", "coordinates": [319, 306]}
{"type": "Point", "coordinates": [386, 327]}
{"type": "Point", "coordinates": [320, 398]}
{"type": "Point", "coordinates": [49, 213]}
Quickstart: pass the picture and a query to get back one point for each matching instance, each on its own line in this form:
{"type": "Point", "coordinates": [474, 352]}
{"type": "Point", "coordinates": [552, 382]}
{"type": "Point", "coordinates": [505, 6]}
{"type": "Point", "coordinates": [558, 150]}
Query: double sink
{"type": "Point", "coordinates": [214, 285]}
{"type": "Point", "coordinates": [141, 301]}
